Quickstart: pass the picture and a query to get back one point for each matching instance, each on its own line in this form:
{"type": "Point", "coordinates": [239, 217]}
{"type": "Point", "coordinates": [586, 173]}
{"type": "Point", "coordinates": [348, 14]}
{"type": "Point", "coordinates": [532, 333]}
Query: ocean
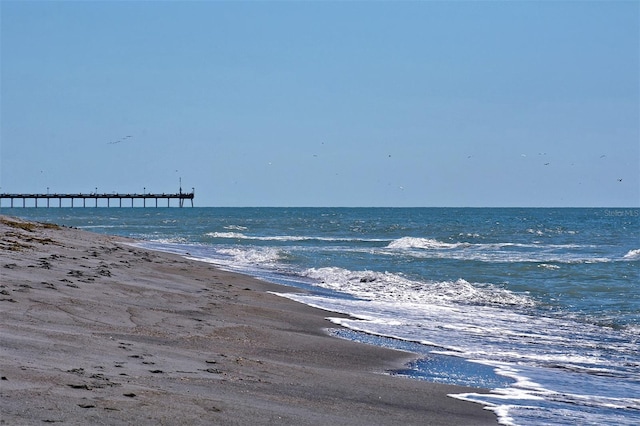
{"type": "Point", "coordinates": [541, 306]}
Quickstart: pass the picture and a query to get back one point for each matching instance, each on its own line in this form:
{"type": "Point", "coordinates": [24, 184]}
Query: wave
{"type": "Point", "coordinates": [386, 286]}
{"type": "Point", "coordinates": [234, 257]}
{"type": "Point", "coordinates": [632, 330]}
{"type": "Point", "coordinates": [241, 236]}
{"type": "Point", "coordinates": [236, 227]}
{"type": "Point", "coordinates": [632, 255]}
{"type": "Point", "coordinates": [548, 266]}
{"type": "Point", "coordinates": [507, 252]}
{"type": "Point", "coordinates": [423, 243]}
{"type": "Point", "coordinates": [546, 231]}
{"type": "Point", "coordinates": [433, 244]}
{"type": "Point", "coordinates": [165, 241]}
{"type": "Point", "coordinates": [253, 256]}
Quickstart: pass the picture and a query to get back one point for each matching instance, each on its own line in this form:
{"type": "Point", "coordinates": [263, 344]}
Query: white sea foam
{"type": "Point", "coordinates": [548, 266]}
{"type": "Point", "coordinates": [507, 252]}
{"type": "Point", "coordinates": [388, 286]}
{"type": "Point", "coordinates": [633, 330]}
{"type": "Point", "coordinates": [516, 345]}
{"type": "Point", "coordinates": [526, 395]}
{"type": "Point", "coordinates": [236, 227]}
{"type": "Point", "coordinates": [469, 235]}
{"type": "Point", "coordinates": [433, 244]}
{"type": "Point", "coordinates": [535, 231]}
{"type": "Point", "coordinates": [482, 332]}
{"type": "Point", "coordinates": [632, 255]}
{"type": "Point", "coordinates": [241, 236]}
{"type": "Point", "coordinates": [169, 241]}
{"type": "Point", "coordinates": [551, 231]}
{"type": "Point", "coordinates": [177, 245]}
{"type": "Point", "coordinates": [252, 256]}
{"type": "Point", "coordinates": [422, 243]}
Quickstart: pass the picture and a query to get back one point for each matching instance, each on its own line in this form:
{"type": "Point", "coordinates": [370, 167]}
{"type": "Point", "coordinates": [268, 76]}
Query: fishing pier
{"type": "Point", "coordinates": [112, 200]}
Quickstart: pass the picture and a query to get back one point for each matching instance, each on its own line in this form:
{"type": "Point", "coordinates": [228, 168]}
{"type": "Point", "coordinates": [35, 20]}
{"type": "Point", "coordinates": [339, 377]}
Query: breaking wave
{"type": "Point", "coordinates": [632, 255]}
{"type": "Point", "coordinates": [423, 243]}
{"type": "Point", "coordinates": [506, 252]}
{"type": "Point", "coordinates": [241, 236]}
{"type": "Point", "coordinates": [385, 286]}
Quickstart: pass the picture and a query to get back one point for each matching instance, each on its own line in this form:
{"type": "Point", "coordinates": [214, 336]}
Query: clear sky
{"type": "Point", "coordinates": [325, 103]}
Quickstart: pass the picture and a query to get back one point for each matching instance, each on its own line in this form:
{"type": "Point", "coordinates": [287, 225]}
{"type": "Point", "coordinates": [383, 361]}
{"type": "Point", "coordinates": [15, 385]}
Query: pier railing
{"type": "Point", "coordinates": [11, 198]}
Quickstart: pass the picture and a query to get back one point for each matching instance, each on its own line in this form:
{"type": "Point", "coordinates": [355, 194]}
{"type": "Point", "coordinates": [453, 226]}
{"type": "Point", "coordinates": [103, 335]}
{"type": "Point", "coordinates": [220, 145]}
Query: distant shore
{"type": "Point", "coordinates": [95, 331]}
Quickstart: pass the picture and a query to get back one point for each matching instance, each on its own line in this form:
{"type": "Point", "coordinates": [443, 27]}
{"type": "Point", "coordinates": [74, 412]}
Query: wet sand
{"type": "Point", "coordinates": [95, 331]}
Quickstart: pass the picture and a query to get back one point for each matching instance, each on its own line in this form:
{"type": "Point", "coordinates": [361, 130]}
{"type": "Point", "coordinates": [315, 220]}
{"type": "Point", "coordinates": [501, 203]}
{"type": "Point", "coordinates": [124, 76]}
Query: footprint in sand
{"type": "Point", "coordinates": [86, 406]}
{"type": "Point", "coordinates": [82, 386]}
{"type": "Point", "coordinates": [104, 271]}
{"type": "Point", "coordinates": [44, 264]}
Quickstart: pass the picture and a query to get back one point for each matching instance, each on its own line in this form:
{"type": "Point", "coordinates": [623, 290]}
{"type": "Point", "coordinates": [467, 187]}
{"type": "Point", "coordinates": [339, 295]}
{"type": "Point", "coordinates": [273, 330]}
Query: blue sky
{"type": "Point", "coordinates": [325, 103]}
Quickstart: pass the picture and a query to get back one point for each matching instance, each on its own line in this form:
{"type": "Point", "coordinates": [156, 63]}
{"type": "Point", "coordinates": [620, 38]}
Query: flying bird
{"type": "Point", "coordinates": [119, 141]}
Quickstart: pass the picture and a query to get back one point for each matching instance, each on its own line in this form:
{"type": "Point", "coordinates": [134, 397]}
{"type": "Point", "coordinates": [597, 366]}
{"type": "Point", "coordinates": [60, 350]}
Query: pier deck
{"type": "Point", "coordinates": [179, 197]}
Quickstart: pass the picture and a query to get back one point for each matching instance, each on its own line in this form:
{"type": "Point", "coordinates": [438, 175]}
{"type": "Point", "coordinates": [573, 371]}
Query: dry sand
{"type": "Point", "coordinates": [94, 331]}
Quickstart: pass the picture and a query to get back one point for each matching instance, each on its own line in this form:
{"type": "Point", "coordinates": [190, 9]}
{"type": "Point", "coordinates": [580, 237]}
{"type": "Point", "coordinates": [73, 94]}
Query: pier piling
{"type": "Point", "coordinates": [179, 197]}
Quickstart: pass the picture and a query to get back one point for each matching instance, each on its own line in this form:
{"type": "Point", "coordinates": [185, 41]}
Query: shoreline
{"type": "Point", "coordinates": [95, 330]}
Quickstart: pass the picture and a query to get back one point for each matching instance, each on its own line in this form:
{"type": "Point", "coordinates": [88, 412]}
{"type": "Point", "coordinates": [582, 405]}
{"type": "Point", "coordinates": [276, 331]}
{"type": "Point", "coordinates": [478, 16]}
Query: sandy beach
{"type": "Point", "coordinates": [95, 331]}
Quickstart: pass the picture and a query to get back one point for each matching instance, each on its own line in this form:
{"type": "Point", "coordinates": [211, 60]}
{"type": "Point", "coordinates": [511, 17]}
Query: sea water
{"type": "Point", "coordinates": [541, 306]}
